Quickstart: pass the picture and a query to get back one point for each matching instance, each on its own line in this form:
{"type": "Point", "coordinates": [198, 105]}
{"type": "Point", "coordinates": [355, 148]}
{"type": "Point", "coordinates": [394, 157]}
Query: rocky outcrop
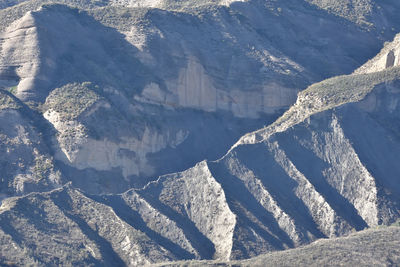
{"type": "Point", "coordinates": [196, 197]}
{"type": "Point", "coordinates": [20, 55]}
{"type": "Point", "coordinates": [388, 57]}
{"type": "Point", "coordinates": [195, 89]}
{"type": "Point", "coordinates": [25, 162]}
{"type": "Point", "coordinates": [77, 148]}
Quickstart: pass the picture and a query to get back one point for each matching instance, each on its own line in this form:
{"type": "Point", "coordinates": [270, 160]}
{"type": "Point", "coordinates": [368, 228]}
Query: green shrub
{"type": "Point", "coordinates": [6, 101]}
{"type": "Point", "coordinates": [72, 99]}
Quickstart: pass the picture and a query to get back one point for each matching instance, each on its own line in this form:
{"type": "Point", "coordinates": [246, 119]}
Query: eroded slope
{"type": "Point", "coordinates": [325, 168]}
{"type": "Point", "coordinates": [325, 176]}
{"type": "Point", "coordinates": [165, 88]}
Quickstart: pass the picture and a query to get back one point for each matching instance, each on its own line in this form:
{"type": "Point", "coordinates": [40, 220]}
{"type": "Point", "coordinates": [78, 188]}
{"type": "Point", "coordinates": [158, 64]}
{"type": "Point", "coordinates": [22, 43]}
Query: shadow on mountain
{"type": "Point", "coordinates": [134, 219]}
{"type": "Point", "coordinates": [62, 201]}
{"type": "Point", "coordinates": [279, 184]}
{"type": "Point", "coordinates": [301, 157]}
{"type": "Point", "coordinates": [239, 198]}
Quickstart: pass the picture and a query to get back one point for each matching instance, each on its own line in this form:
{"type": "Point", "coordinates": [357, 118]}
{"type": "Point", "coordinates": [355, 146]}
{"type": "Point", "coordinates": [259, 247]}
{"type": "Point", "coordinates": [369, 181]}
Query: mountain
{"type": "Point", "coordinates": [118, 123]}
{"type": "Point", "coordinates": [326, 168]}
{"type": "Point", "coordinates": [156, 90]}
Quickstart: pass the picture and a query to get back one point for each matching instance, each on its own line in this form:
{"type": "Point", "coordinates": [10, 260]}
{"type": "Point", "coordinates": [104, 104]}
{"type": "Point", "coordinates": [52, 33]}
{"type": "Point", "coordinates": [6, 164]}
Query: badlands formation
{"type": "Point", "coordinates": [140, 132]}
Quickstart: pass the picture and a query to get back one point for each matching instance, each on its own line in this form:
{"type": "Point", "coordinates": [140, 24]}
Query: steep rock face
{"type": "Point", "coordinates": [20, 54]}
{"type": "Point", "coordinates": [70, 110]}
{"type": "Point", "coordinates": [334, 150]}
{"type": "Point", "coordinates": [195, 89]}
{"type": "Point", "coordinates": [75, 218]}
{"type": "Point", "coordinates": [388, 57]}
{"type": "Point", "coordinates": [26, 164]}
{"type": "Point", "coordinates": [91, 134]}
{"type": "Point", "coordinates": [196, 196]}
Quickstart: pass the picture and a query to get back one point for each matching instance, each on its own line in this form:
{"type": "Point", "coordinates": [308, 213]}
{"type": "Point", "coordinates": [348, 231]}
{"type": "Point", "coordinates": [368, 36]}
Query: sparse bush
{"type": "Point", "coordinates": [348, 88]}
{"type": "Point", "coordinates": [72, 99]}
{"type": "Point", "coordinates": [396, 223]}
{"type": "Point", "coordinates": [7, 102]}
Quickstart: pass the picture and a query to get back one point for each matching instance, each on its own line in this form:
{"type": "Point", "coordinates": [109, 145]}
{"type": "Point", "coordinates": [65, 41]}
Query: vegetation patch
{"type": "Point", "coordinates": [358, 11]}
{"type": "Point", "coordinates": [12, 89]}
{"type": "Point", "coordinates": [7, 102]}
{"type": "Point", "coordinates": [72, 99]}
{"type": "Point", "coordinates": [349, 88]}
{"type": "Point", "coordinates": [42, 167]}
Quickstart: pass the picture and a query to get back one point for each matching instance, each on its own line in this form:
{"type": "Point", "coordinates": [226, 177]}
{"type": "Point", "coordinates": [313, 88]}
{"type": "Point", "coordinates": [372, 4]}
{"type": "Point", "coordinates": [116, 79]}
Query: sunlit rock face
{"type": "Point", "coordinates": [388, 57]}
